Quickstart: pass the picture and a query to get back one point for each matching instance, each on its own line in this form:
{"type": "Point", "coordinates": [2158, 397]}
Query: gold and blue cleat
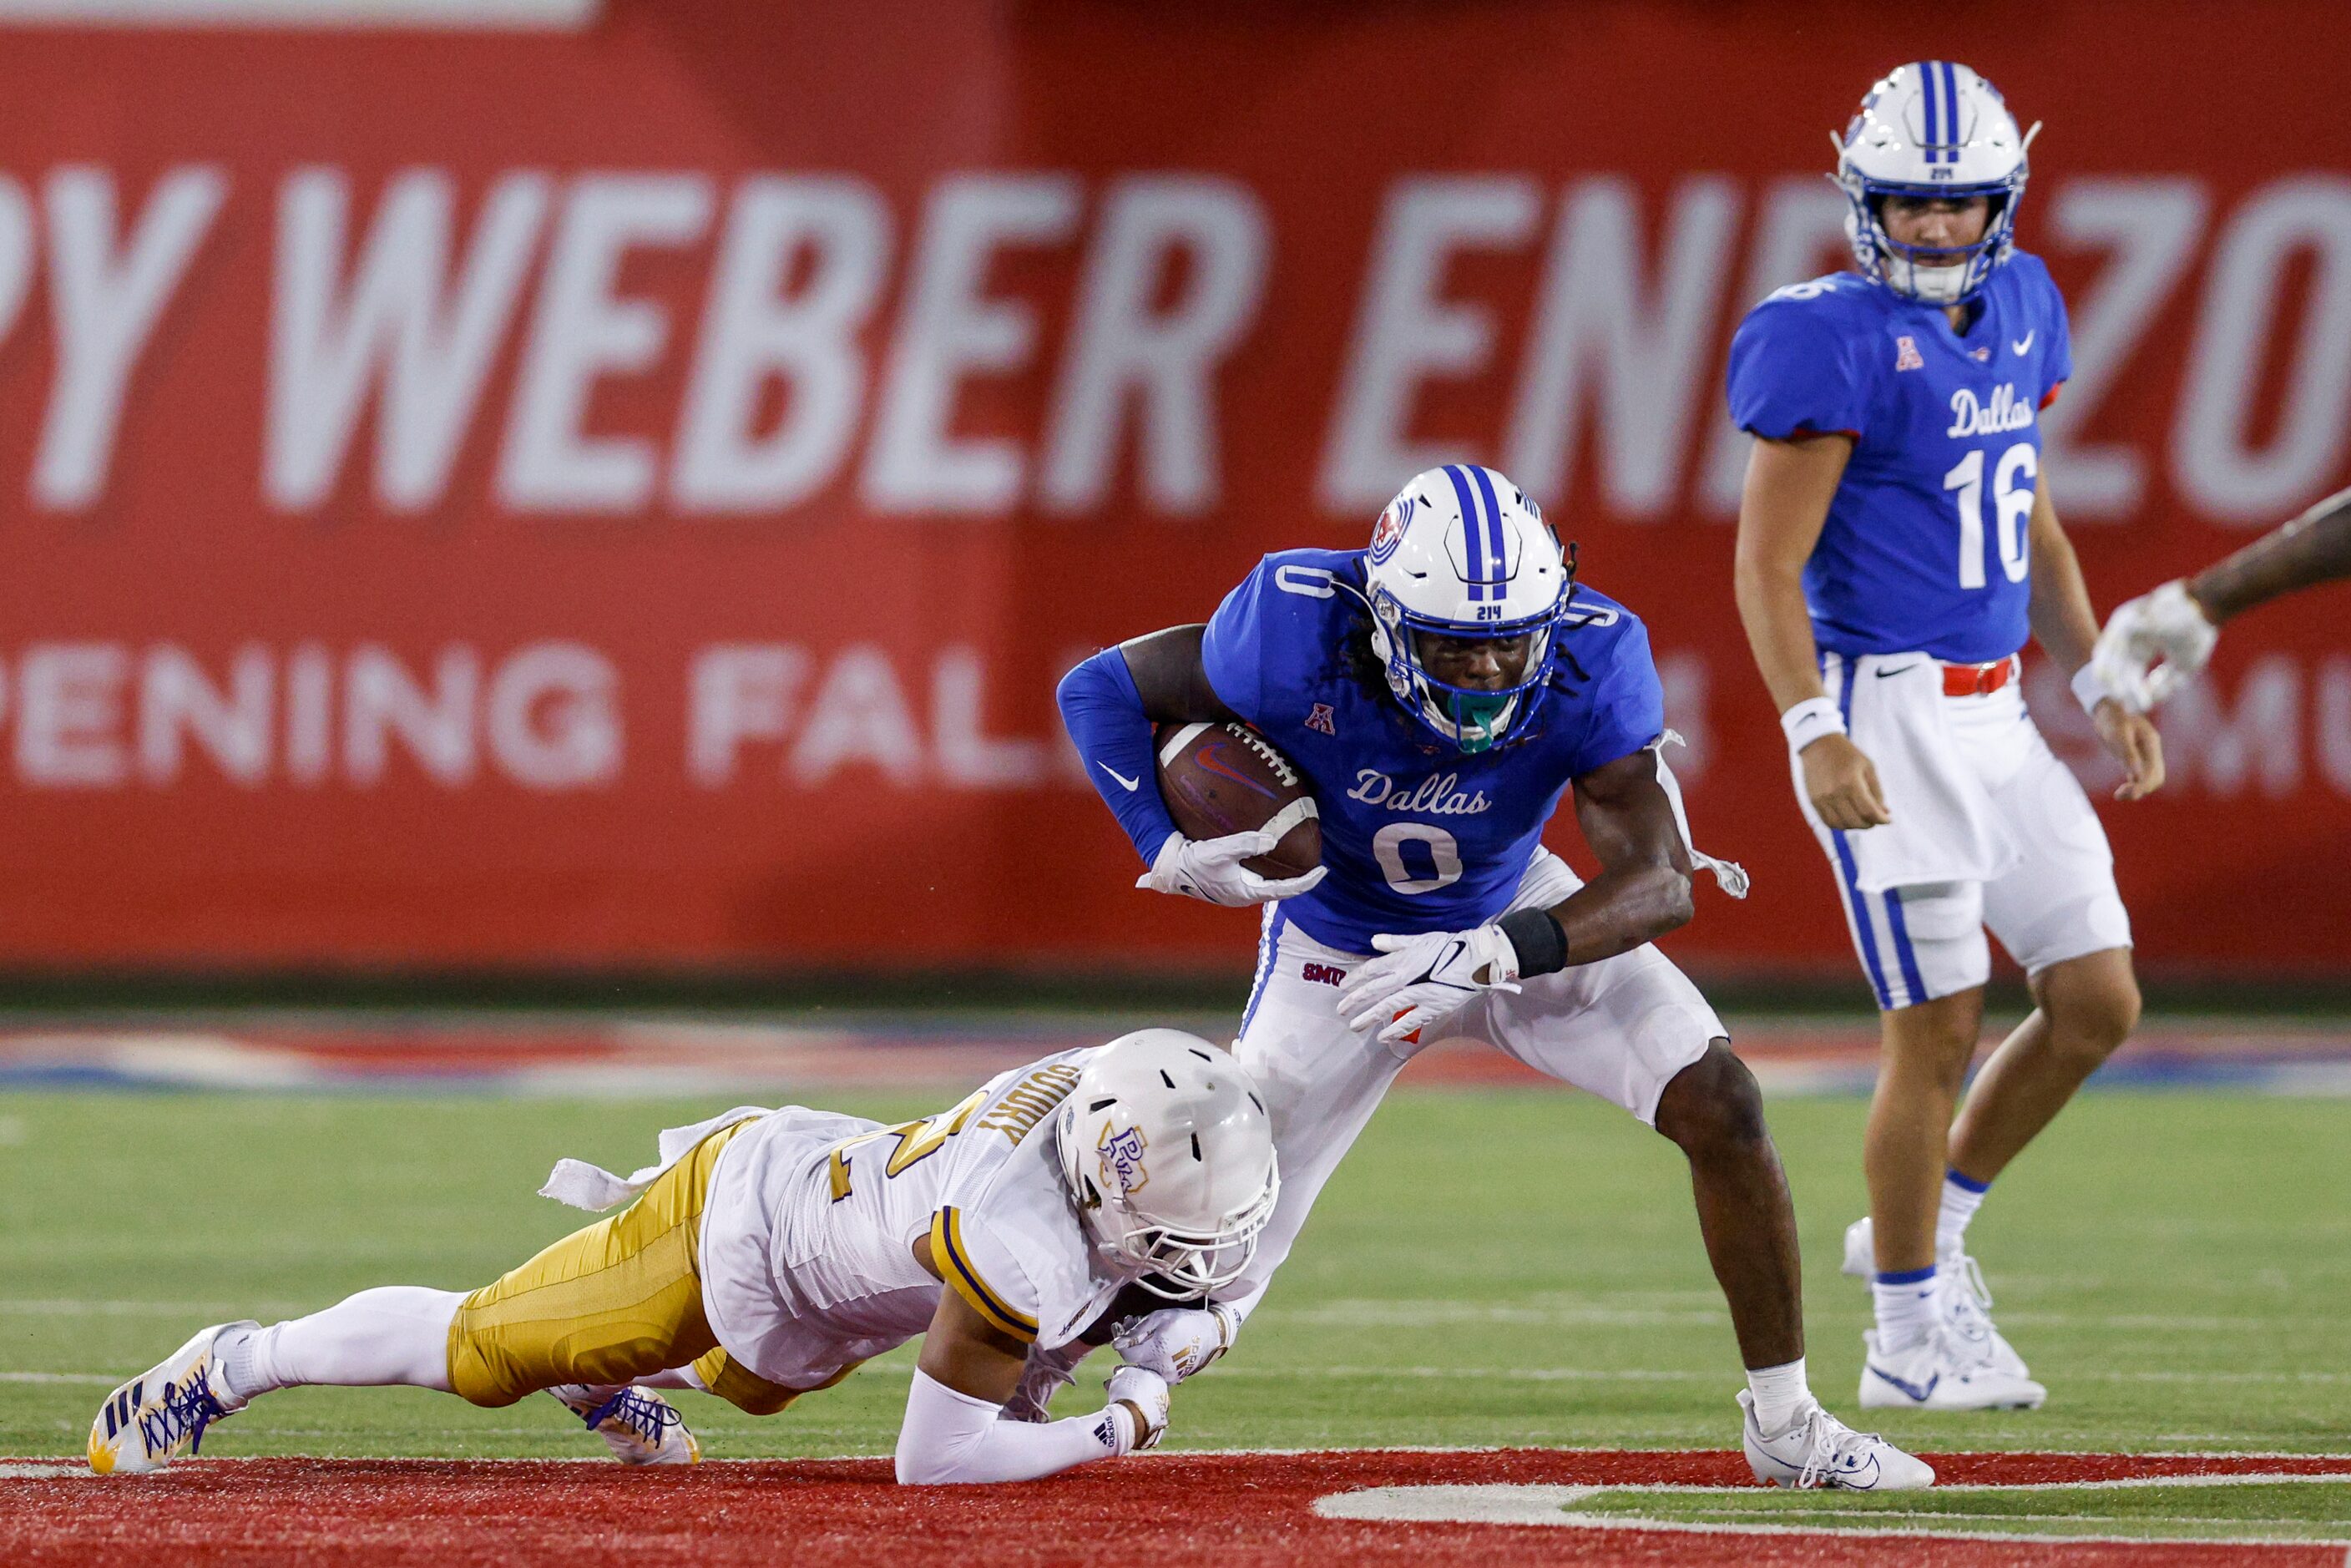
{"type": "Point", "coordinates": [165, 1411]}
{"type": "Point", "coordinates": [638, 1424]}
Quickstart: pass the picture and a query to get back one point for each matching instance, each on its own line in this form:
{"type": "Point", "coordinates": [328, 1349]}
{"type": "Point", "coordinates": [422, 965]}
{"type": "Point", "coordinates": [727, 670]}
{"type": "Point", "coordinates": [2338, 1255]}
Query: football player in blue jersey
{"type": "Point", "coordinates": [1897, 546]}
{"type": "Point", "coordinates": [1444, 690]}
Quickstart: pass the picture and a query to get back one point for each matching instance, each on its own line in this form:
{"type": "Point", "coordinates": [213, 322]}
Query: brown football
{"type": "Point", "coordinates": [1223, 779]}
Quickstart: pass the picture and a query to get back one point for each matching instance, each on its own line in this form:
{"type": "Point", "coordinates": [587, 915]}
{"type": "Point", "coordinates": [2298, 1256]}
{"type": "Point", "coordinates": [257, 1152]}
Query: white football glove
{"type": "Point", "coordinates": [1211, 870]}
{"type": "Point", "coordinates": [2164, 625]}
{"type": "Point", "coordinates": [1145, 1391]}
{"type": "Point", "coordinates": [1048, 1373]}
{"type": "Point", "coordinates": [1177, 1341]}
{"type": "Point", "coordinates": [1424, 979]}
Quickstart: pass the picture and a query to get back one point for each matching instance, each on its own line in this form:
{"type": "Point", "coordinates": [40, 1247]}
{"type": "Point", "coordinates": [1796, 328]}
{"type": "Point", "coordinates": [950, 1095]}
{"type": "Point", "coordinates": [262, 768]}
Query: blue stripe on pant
{"type": "Point", "coordinates": [1912, 985]}
{"type": "Point", "coordinates": [1864, 926]}
{"type": "Point", "coordinates": [1269, 949]}
{"type": "Point", "coordinates": [1911, 980]}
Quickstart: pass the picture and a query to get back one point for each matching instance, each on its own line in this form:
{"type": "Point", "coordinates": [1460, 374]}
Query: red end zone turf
{"type": "Point", "coordinates": [1232, 1511]}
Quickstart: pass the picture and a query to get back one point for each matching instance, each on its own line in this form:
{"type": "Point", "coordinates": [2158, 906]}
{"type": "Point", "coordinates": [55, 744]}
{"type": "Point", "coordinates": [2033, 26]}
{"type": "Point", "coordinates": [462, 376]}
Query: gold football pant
{"type": "Point", "coordinates": [618, 1300]}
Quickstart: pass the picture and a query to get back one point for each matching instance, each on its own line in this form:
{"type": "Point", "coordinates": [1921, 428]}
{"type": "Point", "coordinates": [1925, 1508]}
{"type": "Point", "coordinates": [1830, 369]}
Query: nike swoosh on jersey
{"type": "Point", "coordinates": [1132, 784]}
{"type": "Point", "coordinates": [2024, 343]}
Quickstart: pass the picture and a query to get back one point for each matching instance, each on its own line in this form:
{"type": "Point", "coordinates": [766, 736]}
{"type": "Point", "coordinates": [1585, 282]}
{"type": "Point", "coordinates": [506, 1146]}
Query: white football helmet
{"type": "Point", "coordinates": [1461, 552]}
{"type": "Point", "coordinates": [1169, 1155]}
{"type": "Point", "coordinates": [1931, 128]}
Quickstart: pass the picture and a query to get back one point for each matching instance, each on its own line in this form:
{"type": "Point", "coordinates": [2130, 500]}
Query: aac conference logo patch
{"type": "Point", "coordinates": [1121, 1160]}
{"type": "Point", "coordinates": [1388, 532]}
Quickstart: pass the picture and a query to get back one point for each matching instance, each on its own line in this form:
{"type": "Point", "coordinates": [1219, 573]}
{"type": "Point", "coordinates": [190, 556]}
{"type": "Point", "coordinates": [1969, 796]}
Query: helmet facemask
{"type": "Point", "coordinates": [1932, 275]}
{"type": "Point", "coordinates": [1177, 1265]}
{"type": "Point", "coordinates": [1473, 719]}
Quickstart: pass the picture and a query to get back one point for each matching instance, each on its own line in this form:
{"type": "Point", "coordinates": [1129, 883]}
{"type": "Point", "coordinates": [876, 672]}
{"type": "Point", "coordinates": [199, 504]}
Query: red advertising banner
{"type": "Point", "coordinates": [624, 493]}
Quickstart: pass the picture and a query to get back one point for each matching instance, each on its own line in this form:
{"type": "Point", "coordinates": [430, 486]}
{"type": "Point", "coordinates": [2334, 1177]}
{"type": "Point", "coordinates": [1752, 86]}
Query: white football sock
{"type": "Point", "coordinates": [1961, 1198]}
{"type": "Point", "coordinates": [1905, 1308]}
{"type": "Point", "coordinates": [1781, 1395]}
{"type": "Point", "coordinates": [676, 1378]}
{"type": "Point", "coordinates": [394, 1335]}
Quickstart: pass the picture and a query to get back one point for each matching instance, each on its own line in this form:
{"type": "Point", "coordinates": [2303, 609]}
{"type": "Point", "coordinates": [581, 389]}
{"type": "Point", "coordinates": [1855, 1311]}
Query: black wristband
{"type": "Point", "coordinates": [1542, 946]}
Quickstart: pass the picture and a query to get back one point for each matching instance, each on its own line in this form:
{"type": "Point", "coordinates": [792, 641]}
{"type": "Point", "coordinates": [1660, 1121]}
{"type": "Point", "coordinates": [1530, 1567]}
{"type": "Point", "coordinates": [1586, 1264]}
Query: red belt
{"type": "Point", "coordinates": [1978, 680]}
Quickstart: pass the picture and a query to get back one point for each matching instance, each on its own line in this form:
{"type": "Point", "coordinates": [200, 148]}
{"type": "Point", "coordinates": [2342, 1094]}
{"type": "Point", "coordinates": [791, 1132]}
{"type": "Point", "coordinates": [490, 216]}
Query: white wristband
{"type": "Point", "coordinates": [2089, 690]}
{"type": "Point", "coordinates": [1809, 720]}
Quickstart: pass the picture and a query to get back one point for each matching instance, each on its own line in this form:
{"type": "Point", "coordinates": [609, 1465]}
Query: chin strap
{"type": "Point", "coordinates": [1729, 876]}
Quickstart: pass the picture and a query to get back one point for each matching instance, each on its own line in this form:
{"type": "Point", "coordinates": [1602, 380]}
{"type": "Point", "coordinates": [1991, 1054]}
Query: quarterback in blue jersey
{"type": "Point", "coordinates": [1444, 690]}
{"type": "Point", "coordinates": [1897, 548]}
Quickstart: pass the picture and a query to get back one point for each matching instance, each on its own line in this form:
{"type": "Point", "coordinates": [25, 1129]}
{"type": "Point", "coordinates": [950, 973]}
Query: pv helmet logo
{"type": "Point", "coordinates": [1121, 1160]}
{"type": "Point", "coordinates": [1388, 532]}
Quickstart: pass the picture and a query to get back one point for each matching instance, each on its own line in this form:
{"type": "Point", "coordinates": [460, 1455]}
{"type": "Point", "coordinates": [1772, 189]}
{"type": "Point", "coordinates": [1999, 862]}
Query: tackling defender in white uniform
{"type": "Point", "coordinates": [1896, 544]}
{"type": "Point", "coordinates": [770, 1252]}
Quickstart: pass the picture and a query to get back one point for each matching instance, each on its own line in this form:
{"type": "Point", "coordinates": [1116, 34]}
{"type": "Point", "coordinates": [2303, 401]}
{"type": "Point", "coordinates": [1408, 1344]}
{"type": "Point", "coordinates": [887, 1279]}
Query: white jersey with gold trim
{"type": "Point", "coordinates": [807, 1263]}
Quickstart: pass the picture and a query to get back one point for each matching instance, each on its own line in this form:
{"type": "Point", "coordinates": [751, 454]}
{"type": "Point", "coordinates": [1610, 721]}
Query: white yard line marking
{"type": "Point", "coordinates": [46, 1471]}
{"type": "Point", "coordinates": [100, 1379]}
{"type": "Point", "coordinates": [1552, 1507]}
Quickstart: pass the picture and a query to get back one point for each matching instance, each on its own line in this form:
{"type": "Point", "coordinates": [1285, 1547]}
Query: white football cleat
{"type": "Point", "coordinates": [1961, 1296]}
{"type": "Point", "coordinates": [1941, 1372]}
{"type": "Point", "coordinates": [638, 1424]}
{"type": "Point", "coordinates": [1861, 1250]}
{"type": "Point", "coordinates": [1965, 1301]}
{"type": "Point", "coordinates": [152, 1419]}
{"type": "Point", "coordinates": [1819, 1450]}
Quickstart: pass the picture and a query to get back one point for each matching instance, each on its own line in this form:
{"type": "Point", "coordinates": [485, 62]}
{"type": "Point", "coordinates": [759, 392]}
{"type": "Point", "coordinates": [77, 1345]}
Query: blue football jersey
{"type": "Point", "coordinates": [1928, 542]}
{"type": "Point", "coordinates": [1418, 835]}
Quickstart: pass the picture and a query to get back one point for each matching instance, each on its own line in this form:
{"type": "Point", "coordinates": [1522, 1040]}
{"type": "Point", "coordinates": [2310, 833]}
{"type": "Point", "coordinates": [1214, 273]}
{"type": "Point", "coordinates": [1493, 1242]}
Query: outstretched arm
{"type": "Point", "coordinates": [2315, 548]}
{"type": "Point", "coordinates": [2155, 642]}
{"type": "Point", "coordinates": [955, 1429]}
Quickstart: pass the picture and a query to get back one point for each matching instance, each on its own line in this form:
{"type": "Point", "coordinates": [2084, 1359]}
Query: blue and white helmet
{"type": "Point", "coordinates": [1932, 129]}
{"type": "Point", "coordinates": [1461, 552]}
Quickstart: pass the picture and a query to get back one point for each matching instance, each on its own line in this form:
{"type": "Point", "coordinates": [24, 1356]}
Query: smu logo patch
{"type": "Point", "coordinates": [1121, 1160]}
{"type": "Point", "coordinates": [1322, 974]}
{"type": "Point", "coordinates": [1388, 532]}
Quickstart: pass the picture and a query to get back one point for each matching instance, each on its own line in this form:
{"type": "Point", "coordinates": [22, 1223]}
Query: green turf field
{"type": "Point", "coordinates": [1488, 1268]}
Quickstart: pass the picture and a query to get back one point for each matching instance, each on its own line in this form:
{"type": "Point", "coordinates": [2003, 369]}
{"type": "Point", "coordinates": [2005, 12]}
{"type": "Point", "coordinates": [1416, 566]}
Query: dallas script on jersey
{"type": "Point", "coordinates": [1438, 794]}
{"type": "Point", "coordinates": [2006, 411]}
